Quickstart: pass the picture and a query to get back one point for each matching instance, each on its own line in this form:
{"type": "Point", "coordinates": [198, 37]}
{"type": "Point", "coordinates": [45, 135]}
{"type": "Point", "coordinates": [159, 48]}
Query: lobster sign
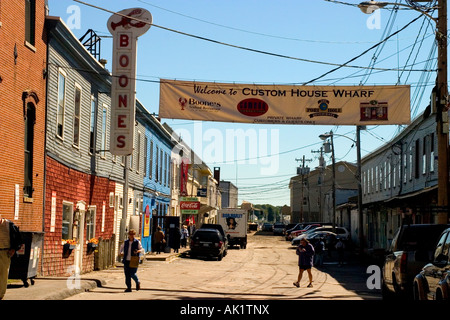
{"type": "Point", "coordinates": [125, 26]}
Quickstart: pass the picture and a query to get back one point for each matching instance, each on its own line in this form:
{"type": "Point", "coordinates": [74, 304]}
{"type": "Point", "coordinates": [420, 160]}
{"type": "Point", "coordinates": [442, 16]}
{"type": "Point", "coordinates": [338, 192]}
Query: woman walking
{"type": "Point", "coordinates": [305, 252]}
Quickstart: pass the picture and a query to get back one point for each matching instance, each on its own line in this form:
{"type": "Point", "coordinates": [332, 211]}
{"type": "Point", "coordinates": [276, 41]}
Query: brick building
{"type": "Point", "coordinates": [23, 51]}
{"type": "Point", "coordinates": [80, 186]}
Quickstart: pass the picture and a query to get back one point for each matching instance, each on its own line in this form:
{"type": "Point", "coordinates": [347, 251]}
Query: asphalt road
{"type": "Point", "coordinates": [263, 271]}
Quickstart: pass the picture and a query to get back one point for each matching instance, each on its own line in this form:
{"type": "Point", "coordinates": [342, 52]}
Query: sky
{"type": "Point", "coordinates": [313, 36]}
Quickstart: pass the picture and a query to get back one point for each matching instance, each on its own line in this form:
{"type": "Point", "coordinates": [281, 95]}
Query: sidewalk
{"type": "Point", "coordinates": [59, 288]}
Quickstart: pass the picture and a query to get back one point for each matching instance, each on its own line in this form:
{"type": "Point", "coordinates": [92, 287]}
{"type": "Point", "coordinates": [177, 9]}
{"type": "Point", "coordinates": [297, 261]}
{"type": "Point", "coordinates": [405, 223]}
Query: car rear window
{"type": "Point", "coordinates": [423, 237]}
{"type": "Point", "coordinates": [206, 236]}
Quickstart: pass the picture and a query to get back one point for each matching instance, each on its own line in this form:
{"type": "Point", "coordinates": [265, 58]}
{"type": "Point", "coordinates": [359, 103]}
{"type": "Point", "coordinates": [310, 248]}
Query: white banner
{"type": "Point", "coordinates": [284, 104]}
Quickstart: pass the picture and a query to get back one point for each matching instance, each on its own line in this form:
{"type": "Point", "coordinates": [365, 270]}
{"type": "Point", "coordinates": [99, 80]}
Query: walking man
{"type": "Point", "coordinates": [131, 247]}
{"type": "Point", "coordinates": [305, 252]}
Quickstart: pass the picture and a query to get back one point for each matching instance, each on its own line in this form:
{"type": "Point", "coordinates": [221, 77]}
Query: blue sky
{"type": "Point", "coordinates": [317, 30]}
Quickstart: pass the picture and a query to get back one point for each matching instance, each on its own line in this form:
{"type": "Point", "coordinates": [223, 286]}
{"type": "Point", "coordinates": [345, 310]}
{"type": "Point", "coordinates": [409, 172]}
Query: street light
{"type": "Point", "coordinates": [324, 137]}
{"type": "Point", "coordinates": [441, 102]}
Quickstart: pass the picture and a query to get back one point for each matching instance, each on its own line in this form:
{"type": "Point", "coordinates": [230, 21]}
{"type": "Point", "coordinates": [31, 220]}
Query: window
{"type": "Point", "coordinates": [67, 219]}
{"type": "Point", "coordinates": [104, 127]}
{"type": "Point", "coordinates": [61, 105]}
{"type": "Point", "coordinates": [76, 117]}
{"type": "Point", "coordinates": [432, 152]}
{"type": "Point", "coordinates": [151, 160]}
{"type": "Point", "coordinates": [30, 21]}
{"type": "Point", "coordinates": [157, 165]}
{"type": "Point", "coordinates": [165, 169]}
{"type": "Point", "coordinates": [145, 155]}
{"type": "Point", "coordinates": [410, 162]}
{"type": "Point", "coordinates": [424, 155]}
{"type": "Point", "coordinates": [92, 126]}
{"type": "Point", "coordinates": [138, 152]}
{"type": "Point", "coordinates": [90, 222]}
{"type": "Point", "coordinates": [161, 167]}
{"type": "Point", "coordinates": [417, 159]}
{"type": "Point", "coordinates": [29, 142]}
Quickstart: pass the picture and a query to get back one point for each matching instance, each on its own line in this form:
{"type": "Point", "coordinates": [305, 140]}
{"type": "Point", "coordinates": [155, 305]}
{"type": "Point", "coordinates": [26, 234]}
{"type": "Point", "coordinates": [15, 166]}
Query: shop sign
{"type": "Point", "coordinates": [125, 31]}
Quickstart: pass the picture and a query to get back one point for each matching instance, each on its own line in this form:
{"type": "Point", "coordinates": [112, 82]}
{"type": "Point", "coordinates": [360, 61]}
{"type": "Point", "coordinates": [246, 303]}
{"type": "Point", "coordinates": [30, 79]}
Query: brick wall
{"type": "Point", "coordinates": [72, 186]}
{"type": "Point", "coordinates": [23, 74]}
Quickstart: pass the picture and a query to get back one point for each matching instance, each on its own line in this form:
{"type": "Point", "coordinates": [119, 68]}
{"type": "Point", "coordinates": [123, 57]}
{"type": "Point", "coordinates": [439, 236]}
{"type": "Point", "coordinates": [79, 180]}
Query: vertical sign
{"type": "Point", "coordinates": [147, 222]}
{"type": "Point", "coordinates": [125, 31]}
{"type": "Point", "coordinates": [16, 201]}
{"type": "Point", "coordinates": [53, 212]}
{"type": "Point", "coordinates": [103, 216]}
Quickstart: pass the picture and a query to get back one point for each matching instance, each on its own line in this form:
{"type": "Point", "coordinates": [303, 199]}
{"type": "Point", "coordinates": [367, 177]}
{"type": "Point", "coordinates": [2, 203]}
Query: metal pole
{"type": "Point", "coordinates": [442, 113]}
{"type": "Point", "coordinates": [359, 181]}
{"type": "Point", "coordinates": [123, 222]}
{"type": "Point", "coordinates": [334, 182]}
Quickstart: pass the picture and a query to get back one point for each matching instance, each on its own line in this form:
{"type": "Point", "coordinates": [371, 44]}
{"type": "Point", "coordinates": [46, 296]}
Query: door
{"type": "Point", "coordinates": [79, 232]}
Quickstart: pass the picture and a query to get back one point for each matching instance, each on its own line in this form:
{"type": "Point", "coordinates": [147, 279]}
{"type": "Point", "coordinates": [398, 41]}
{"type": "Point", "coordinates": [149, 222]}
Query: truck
{"type": "Point", "coordinates": [234, 223]}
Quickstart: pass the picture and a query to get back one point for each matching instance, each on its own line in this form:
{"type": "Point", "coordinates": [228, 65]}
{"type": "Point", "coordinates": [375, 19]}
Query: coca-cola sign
{"type": "Point", "coordinates": [189, 205]}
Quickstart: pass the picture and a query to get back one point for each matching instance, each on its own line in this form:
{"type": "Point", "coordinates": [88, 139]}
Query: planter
{"type": "Point", "coordinates": [91, 247]}
{"type": "Point", "coordinates": [67, 250]}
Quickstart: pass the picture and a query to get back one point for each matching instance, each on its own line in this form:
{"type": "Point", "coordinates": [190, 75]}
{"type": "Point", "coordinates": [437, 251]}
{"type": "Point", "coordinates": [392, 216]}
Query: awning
{"type": "Point", "coordinates": [206, 208]}
{"type": "Point", "coordinates": [413, 194]}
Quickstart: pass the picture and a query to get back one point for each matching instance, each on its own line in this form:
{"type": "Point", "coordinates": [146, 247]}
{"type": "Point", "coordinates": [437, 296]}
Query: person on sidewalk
{"type": "Point", "coordinates": [319, 250]}
{"type": "Point", "coordinates": [159, 240]}
{"type": "Point", "coordinates": [176, 240]}
{"type": "Point", "coordinates": [305, 252]}
{"type": "Point", "coordinates": [184, 236]}
{"type": "Point", "coordinates": [10, 242]}
{"type": "Point", "coordinates": [130, 247]}
{"type": "Point", "coordinates": [340, 247]}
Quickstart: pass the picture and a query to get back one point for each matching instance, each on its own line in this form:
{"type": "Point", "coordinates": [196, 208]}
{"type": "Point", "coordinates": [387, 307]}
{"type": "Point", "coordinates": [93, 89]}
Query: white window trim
{"type": "Point", "coordinates": [61, 72]}
{"type": "Point", "coordinates": [77, 86]}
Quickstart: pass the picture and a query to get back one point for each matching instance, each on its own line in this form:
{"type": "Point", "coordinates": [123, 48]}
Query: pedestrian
{"type": "Point", "coordinates": [184, 236]}
{"type": "Point", "coordinates": [340, 247]}
{"type": "Point", "coordinates": [191, 229]}
{"type": "Point", "coordinates": [305, 252]}
{"type": "Point", "coordinates": [130, 247]}
{"type": "Point", "coordinates": [319, 250]}
{"type": "Point", "coordinates": [177, 239]}
{"type": "Point", "coordinates": [159, 240]}
{"type": "Point", "coordinates": [10, 242]}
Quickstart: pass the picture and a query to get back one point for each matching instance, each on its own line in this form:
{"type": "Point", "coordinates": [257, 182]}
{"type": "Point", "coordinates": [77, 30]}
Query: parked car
{"type": "Point", "coordinates": [329, 238]}
{"type": "Point", "coordinates": [433, 282]}
{"type": "Point", "coordinates": [267, 227]}
{"type": "Point", "coordinates": [219, 228]}
{"type": "Point", "coordinates": [279, 228]}
{"type": "Point", "coordinates": [296, 233]}
{"type": "Point", "coordinates": [341, 232]}
{"type": "Point", "coordinates": [209, 243]}
{"type": "Point", "coordinates": [411, 249]}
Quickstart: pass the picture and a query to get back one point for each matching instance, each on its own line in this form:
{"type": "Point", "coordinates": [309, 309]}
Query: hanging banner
{"type": "Point", "coordinates": [125, 32]}
{"type": "Point", "coordinates": [284, 104]}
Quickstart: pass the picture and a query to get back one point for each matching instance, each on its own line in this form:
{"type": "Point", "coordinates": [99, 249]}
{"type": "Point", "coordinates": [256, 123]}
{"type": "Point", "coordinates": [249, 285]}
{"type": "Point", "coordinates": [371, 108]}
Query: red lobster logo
{"type": "Point", "coordinates": [182, 102]}
{"type": "Point", "coordinates": [127, 23]}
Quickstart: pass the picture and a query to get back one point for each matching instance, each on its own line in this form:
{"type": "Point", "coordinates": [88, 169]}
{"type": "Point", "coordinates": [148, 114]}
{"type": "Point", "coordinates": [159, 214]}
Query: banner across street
{"type": "Point", "coordinates": [285, 104]}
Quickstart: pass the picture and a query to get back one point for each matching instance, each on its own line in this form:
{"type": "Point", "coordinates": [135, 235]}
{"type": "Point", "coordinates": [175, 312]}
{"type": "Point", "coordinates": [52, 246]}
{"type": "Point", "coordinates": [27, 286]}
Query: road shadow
{"type": "Point", "coordinates": [352, 274]}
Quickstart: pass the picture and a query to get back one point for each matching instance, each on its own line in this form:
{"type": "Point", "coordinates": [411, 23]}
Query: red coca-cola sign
{"type": "Point", "coordinates": [252, 107]}
{"type": "Point", "coordinates": [189, 205]}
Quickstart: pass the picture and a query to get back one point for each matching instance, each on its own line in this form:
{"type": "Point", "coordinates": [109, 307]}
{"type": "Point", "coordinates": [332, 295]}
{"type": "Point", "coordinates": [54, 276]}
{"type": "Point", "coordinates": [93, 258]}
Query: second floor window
{"type": "Point", "coordinates": [104, 128]}
{"type": "Point", "coordinates": [30, 21]}
{"type": "Point", "coordinates": [61, 105]}
{"type": "Point", "coordinates": [92, 126]}
{"type": "Point", "coordinates": [76, 117]}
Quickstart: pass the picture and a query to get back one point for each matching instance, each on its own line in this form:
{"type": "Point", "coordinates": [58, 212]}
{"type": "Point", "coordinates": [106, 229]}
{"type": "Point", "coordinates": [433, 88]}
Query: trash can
{"type": "Point", "coordinates": [24, 263]}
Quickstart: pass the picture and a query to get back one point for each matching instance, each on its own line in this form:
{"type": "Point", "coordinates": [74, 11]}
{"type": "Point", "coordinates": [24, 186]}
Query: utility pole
{"type": "Point", "coordinates": [302, 170]}
{"type": "Point", "coordinates": [321, 168]}
{"type": "Point", "coordinates": [442, 113]}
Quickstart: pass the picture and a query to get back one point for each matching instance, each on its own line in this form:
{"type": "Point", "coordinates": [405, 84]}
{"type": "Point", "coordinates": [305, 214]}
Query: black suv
{"type": "Point", "coordinates": [411, 248]}
{"type": "Point", "coordinates": [433, 282]}
{"type": "Point", "coordinates": [219, 228]}
{"type": "Point", "coordinates": [209, 243]}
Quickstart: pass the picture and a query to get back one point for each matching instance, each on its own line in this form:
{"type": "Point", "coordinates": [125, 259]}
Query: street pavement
{"type": "Point", "coordinates": [347, 282]}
